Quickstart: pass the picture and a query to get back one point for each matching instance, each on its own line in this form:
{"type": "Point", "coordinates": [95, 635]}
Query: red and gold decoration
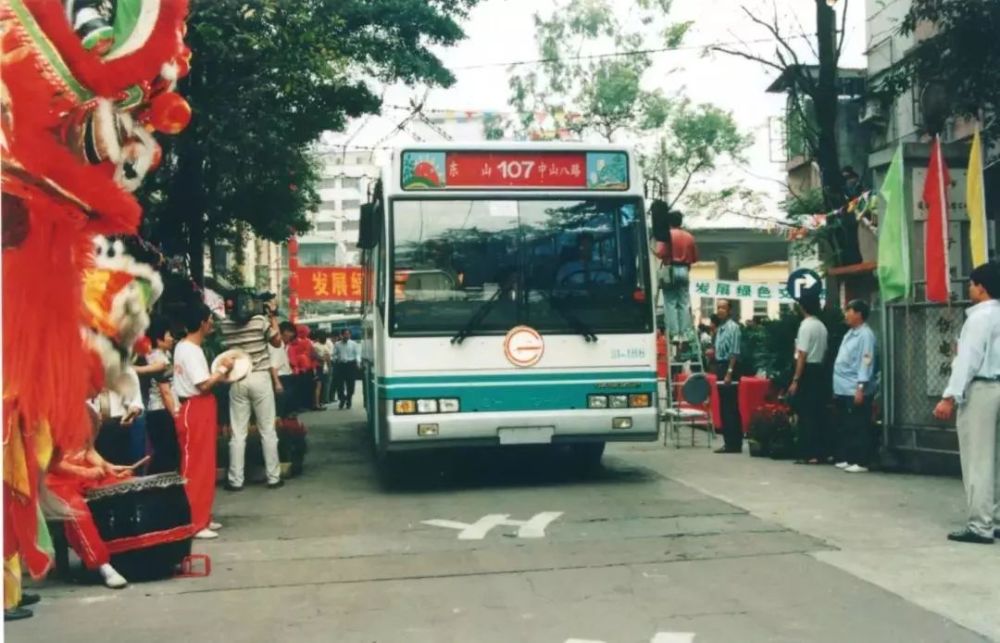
{"type": "Point", "coordinates": [293, 279]}
{"type": "Point", "coordinates": [83, 87]}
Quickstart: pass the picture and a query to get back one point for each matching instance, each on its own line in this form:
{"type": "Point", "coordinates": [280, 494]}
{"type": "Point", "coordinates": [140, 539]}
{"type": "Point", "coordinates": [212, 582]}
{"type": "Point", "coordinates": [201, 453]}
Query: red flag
{"type": "Point", "coordinates": [936, 231]}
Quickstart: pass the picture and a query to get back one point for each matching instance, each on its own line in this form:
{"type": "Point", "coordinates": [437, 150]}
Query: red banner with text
{"type": "Point", "coordinates": [328, 283]}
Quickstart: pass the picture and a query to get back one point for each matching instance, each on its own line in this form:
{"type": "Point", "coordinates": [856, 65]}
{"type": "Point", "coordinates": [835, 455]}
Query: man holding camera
{"type": "Point", "coordinates": [251, 332]}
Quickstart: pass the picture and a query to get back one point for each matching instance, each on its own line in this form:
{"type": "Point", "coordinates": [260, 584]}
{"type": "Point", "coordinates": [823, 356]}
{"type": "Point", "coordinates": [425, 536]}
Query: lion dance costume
{"type": "Point", "coordinates": [85, 84]}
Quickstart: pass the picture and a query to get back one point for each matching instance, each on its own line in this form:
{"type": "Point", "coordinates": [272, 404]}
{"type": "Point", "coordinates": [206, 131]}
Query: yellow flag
{"type": "Point", "coordinates": [976, 200]}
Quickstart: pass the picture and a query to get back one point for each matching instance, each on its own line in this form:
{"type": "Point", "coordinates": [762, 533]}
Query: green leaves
{"type": "Point", "coordinates": [595, 66]}
{"type": "Point", "coordinates": [963, 56]}
{"type": "Point", "coordinates": [268, 77]}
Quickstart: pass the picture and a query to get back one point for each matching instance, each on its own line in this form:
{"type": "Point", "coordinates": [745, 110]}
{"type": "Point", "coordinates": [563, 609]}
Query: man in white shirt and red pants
{"type": "Point", "coordinates": [197, 422]}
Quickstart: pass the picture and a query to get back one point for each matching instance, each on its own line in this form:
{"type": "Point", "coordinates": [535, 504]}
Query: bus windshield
{"type": "Point", "coordinates": [559, 266]}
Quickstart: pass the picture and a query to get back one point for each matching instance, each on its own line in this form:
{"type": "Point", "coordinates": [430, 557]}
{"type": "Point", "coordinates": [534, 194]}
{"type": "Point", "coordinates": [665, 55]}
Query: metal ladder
{"type": "Point", "coordinates": [672, 414]}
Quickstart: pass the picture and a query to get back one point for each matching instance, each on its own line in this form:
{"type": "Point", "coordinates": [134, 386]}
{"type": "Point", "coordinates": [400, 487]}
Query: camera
{"type": "Point", "coordinates": [246, 303]}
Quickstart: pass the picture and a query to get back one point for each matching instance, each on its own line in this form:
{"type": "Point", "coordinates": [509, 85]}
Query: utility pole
{"type": "Point", "coordinates": [664, 171]}
{"type": "Point", "coordinates": [826, 104]}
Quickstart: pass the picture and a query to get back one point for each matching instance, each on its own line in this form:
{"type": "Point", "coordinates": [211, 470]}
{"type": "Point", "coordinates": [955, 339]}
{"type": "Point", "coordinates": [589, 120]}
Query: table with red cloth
{"type": "Point", "coordinates": [716, 407]}
{"type": "Point", "coordinates": [753, 392]}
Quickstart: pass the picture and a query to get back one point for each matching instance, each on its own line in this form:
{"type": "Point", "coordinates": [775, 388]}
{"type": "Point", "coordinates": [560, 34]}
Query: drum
{"type": "Point", "coordinates": [146, 524]}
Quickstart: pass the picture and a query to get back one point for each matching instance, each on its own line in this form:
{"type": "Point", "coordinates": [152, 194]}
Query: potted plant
{"type": "Point", "coordinates": [772, 432]}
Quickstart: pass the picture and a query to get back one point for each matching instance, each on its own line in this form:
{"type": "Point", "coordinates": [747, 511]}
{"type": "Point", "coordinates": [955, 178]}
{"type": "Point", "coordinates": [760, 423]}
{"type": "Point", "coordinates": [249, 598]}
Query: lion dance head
{"type": "Point", "coordinates": [86, 87]}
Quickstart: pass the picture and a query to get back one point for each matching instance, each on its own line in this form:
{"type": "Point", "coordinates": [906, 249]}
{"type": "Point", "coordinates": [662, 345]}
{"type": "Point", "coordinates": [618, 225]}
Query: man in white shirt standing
{"type": "Point", "coordinates": [974, 387]}
{"type": "Point", "coordinates": [346, 365]}
{"type": "Point", "coordinates": [197, 425]}
{"type": "Point", "coordinates": [281, 372]}
{"type": "Point", "coordinates": [807, 385]}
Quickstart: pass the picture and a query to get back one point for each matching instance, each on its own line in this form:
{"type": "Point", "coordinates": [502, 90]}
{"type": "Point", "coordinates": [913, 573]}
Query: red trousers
{"type": "Point", "coordinates": [197, 434]}
{"type": "Point", "coordinates": [81, 532]}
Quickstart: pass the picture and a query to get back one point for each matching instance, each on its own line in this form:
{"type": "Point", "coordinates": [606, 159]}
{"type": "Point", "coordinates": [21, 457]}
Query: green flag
{"type": "Point", "coordinates": [894, 235]}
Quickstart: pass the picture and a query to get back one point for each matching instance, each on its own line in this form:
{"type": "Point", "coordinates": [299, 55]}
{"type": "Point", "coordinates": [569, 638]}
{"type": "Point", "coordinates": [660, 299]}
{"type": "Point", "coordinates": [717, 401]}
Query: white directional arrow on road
{"type": "Point", "coordinates": [661, 637]}
{"type": "Point", "coordinates": [807, 281]}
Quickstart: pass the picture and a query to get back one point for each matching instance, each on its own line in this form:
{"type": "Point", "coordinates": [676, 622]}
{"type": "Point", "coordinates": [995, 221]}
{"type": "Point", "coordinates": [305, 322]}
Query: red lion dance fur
{"type": "Point", "coordinates": [76, 136]}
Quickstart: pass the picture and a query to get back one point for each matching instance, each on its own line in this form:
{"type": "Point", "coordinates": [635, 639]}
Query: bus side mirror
{"type": "Point", "coordinates": [368, 226]}
{"type": "Point", "coordinates": [659, 212]}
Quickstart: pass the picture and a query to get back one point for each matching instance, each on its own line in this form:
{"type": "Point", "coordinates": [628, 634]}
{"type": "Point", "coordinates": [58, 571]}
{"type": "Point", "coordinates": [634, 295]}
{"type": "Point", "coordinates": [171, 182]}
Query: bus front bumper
{"type": "Point", "coordinates": [519, 427]}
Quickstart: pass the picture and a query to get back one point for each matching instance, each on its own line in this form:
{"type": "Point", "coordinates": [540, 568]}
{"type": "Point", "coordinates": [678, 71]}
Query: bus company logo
{"type": "Point", "coordinates": [523, 346]}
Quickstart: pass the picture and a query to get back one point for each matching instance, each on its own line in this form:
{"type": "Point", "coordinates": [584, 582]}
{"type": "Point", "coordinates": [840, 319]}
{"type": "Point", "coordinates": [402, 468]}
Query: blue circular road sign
{"type": "Point", "coordinates": [804, 283]}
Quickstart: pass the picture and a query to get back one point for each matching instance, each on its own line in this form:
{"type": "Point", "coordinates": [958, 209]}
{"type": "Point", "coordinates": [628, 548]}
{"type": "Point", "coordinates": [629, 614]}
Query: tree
{"type": "Point", "coordinates": [603, 94]}
{"type": "Point", "coordinates": [267, 78]}
{"type": "Point", "coordinates": [813, 92]}
{"type": "Point", "coordinates": [961, 60]}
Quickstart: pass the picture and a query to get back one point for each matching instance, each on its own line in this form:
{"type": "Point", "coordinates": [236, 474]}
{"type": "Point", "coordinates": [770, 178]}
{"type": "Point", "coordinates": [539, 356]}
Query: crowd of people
{"type": "Point", "coordinates": [167, 418]}
{"type": "Point", "coordinates": [845, 438]}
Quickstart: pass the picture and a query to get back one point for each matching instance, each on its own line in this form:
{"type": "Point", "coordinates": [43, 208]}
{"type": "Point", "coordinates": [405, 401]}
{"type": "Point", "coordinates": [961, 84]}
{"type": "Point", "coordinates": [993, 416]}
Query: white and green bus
{"type": "Point", "coordinates": [508, 299]}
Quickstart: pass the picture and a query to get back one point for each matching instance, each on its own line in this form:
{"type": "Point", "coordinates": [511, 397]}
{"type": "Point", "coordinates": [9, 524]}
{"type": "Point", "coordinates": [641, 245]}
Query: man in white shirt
{"type": "Point", "coordinates": [281, 372]}
{"type": "Point", "coordinates": [162, 406]}
{"type": "Point", "coordinates": [118, 412]}
{"type": "Point", "coordinates": [974, 387]}
{"type": "Point", "coordinates": [346, 366]}
{"type": "Point", "coordinates": [808, 385]}
{"type": "Point", "coordinates": [197, 422]}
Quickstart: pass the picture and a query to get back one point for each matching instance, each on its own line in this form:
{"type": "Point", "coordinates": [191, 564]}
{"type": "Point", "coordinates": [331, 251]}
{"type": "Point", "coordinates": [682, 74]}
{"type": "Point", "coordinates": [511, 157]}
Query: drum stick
{"type": "Point", "coordinates": [139, 463]}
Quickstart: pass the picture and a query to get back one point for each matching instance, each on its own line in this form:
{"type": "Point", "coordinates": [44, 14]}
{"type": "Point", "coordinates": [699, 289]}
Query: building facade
{"type": "Point", "coordinates": [347, 178]}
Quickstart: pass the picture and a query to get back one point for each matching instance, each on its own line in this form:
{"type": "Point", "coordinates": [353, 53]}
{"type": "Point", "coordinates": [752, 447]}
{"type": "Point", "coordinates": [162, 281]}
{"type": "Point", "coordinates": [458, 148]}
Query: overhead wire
{"type": "Point", "coordinates": [626, 53]}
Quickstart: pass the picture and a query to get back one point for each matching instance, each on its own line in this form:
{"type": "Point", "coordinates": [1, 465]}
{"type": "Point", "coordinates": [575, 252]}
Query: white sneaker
{"type": "Point", "coordinates": [856, 468]}
{"type": "Point", "coordinates": [112, 578]}
{"type": "Point", "coordinates": [842, 465]}
{"type": "Point", "coordinates": [215, 526]}
{"type": "Point", "coordinates": [206, 534]}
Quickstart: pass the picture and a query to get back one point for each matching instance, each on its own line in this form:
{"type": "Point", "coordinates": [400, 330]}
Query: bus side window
{"type": "Point", "coordinates": [380, 279]}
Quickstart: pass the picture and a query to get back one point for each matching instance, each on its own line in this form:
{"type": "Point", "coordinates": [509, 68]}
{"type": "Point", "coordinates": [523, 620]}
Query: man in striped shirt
{"type": "Point", "coordinates": [255, 393]}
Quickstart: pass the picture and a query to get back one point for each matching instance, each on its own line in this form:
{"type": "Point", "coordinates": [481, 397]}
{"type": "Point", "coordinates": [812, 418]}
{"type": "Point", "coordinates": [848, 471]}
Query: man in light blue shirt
{"type": "Point", "coordinates": [346, 366]}
{"type": "Point", "coordinates": [584, 270]}
{"type": "Point", "coordinates": [974, 387]}
{"type": "Point", "coordinates": [727, 356]}
{"type": "Point", "coordinates": [853, 389]}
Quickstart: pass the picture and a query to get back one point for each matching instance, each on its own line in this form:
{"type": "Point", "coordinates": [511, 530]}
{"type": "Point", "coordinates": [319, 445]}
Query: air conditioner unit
{"type": "Point", "coordinates": [873, 112]}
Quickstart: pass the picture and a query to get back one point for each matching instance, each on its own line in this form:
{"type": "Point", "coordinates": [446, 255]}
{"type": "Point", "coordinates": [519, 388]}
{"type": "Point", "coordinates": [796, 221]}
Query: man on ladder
{"type": "Point", "coordinates": [677, 254]}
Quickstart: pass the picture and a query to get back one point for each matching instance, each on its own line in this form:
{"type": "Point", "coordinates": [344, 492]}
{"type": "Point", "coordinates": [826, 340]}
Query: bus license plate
{"type": "Point", "coordinates": [526, 435]}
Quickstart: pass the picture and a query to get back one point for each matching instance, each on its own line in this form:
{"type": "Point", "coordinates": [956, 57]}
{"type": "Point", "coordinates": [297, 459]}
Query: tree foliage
{"type": "Point", "coordinates": [267, 78]}
{"type": "Point", "coordinates": [962, 58]}
{"type": "Point", "coordinates": [592, 79]}
{"type": "Point", "coordinates": [813, 93]}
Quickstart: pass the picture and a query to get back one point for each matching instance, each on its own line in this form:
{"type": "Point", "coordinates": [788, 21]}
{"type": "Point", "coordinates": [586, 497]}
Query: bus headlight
{"type": "Point", "coordinates": [621, 423]}
{"type": "Point", "coordinates": [597, 401]}
{"type": "Point", "coordinates": [640, 400]}
{"type": "Point", "coordinates": [427, 406]}
{"type": "Point", "coordinates": [619, 401]}
{"type": "Point", "coordinates": [404, 407]}
{"type": "Point", "coordinates": [448, 405]}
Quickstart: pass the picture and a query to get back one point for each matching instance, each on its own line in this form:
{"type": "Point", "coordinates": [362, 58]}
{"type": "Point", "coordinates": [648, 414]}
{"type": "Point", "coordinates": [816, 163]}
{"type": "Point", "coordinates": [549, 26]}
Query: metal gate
{"type": "Point", "coordinates": [920, 340]}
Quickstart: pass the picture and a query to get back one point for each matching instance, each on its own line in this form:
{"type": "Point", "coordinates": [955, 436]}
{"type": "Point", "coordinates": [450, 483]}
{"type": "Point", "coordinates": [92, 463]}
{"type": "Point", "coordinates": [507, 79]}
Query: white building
{"type": "Point", "coordinates": [347, 178]}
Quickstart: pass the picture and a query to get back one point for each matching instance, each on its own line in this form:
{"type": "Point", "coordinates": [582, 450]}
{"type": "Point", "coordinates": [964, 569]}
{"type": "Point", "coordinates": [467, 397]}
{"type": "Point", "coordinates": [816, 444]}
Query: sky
{"type": "Point", "coordinates": [501, 31]}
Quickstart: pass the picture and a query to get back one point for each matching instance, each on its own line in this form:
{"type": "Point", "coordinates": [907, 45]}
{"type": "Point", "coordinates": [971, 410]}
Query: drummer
{"type": "Point", "coordinates": [69, 478]}
{"type": "Point", "coordinates": [197, 429]}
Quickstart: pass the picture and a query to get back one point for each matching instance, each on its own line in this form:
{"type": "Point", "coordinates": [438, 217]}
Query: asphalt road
{"type": "Point", "coordinates": [492, 547]}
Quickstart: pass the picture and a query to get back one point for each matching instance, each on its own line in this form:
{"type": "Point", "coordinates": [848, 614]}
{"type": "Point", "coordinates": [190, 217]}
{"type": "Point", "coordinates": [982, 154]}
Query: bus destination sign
{"type": "Point", "coordinates": [461, 170]}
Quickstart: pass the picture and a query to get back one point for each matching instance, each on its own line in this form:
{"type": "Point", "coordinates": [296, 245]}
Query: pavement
{"type": "Point", "coordinates": [660, 545]}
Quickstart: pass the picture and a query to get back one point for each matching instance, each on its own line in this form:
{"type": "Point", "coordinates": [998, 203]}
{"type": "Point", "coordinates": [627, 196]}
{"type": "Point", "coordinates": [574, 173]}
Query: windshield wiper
{"type": "Point", "coordinates": [478, 317]}
{"type": "Point", "coordinates": [578, 324]}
